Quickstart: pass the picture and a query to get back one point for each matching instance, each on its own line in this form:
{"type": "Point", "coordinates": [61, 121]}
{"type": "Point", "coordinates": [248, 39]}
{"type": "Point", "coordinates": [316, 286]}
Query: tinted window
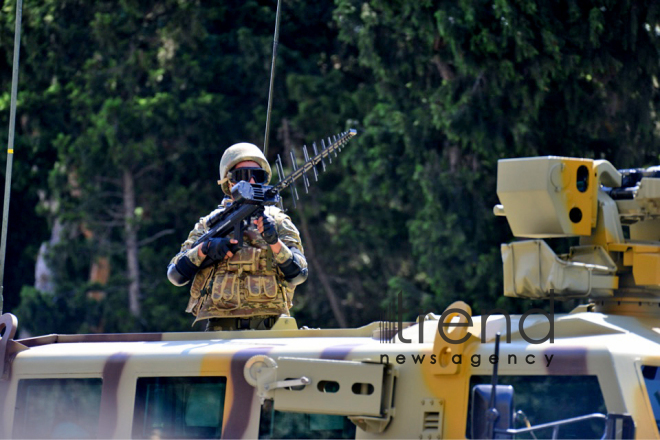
{"type": "Point", "coordinates": [179, 407]}
{"type": "Point", "coordinates": [57, 408]}
{"type": "Point", "coordinates": [277, 424]}
{"type": "Point", "coordinates": [652, 380]}
{"type": "Point", "coordinates": [546, 399]}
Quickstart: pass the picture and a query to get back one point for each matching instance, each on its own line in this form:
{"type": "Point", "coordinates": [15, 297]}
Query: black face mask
{"type": "Point", "coordinates": [258, 174]}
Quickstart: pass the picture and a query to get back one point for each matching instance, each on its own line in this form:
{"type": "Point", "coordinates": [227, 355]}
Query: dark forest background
{"type": "Point", "coordinates": [125, 108]}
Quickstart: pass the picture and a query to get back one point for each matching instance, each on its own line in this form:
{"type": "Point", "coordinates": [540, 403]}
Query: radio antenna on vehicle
{"type": "Point", "coordinates": [10, 146]}
{"type": "Point", "coordinates": [492, 414]}
{"type": "Point", "coordinates": [272, 75]}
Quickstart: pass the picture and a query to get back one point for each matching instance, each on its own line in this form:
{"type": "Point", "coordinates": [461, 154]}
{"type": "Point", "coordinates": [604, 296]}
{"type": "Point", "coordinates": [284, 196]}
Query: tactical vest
{"type": "Point", "coordinates": [248, 284]}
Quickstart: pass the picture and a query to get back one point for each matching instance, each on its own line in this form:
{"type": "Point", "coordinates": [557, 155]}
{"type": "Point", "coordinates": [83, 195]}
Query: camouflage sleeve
{"type": "Point", "coordinates": [186, 247]}
{"type": "Point", "coordinates": [289, 235]}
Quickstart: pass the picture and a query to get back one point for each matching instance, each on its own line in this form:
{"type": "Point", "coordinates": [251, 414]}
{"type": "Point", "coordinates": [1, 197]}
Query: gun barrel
{"type": "Point", "coordinates": [621, 193]}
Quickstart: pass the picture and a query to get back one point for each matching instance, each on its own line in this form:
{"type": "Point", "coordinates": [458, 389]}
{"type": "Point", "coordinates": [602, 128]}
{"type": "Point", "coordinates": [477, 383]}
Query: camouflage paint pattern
{"type": "Point", "coordinates": [249, 283]}
{"type": "Point", "coordinates": [612, 348]}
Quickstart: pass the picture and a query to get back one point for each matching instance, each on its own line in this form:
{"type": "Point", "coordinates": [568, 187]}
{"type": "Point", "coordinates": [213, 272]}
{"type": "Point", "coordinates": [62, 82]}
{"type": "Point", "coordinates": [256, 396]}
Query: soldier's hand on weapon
{"type": "Point", "coordinates": [219, 248]}
{"type": "Point", "coordinates": [266, 227]}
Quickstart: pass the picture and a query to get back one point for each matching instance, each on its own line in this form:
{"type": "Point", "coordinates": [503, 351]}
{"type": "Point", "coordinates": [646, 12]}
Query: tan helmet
{"type": "Point", "coordinates": [239, 153]}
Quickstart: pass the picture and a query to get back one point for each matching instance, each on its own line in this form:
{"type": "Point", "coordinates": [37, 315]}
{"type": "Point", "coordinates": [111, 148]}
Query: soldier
{"type": "Point", "coordinates": [246, 287]}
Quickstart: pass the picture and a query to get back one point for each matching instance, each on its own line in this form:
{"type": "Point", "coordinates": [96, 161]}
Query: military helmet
{"type": "Point", "coordinates": [236, 154]}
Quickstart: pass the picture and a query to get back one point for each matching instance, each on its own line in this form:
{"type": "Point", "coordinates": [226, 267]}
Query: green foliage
{"type": "Point", "coordinates": [73, 312]}
{"type": "Point", "coordinates": [462, 84]}
{"type": "Point", "coordinates": [153, 91]}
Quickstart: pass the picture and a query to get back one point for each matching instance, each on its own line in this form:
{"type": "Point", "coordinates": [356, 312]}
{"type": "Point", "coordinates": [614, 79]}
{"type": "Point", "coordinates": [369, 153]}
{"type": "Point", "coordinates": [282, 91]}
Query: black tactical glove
{"type": "Point", "coordinates": [270, 233]}
{"type": "Point", "coordinates": [217, 248]}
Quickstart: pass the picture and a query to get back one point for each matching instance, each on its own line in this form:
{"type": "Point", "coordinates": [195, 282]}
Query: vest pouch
{"type": "Point", "coordinates": [261, 287]}
{"type": "Point", "coordinates": [225, 292]}
{"type": "Point", "coordinates": [245, 259]}
{"type": "Point", "coordinates": [193, 303]}
{"type": "Point", "coordinates": [200, 281]}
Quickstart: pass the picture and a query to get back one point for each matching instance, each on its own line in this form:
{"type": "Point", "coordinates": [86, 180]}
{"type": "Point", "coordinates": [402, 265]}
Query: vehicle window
{"type": "Point", "coordinates": [546, 399]}
{"type": "Point", "coordinates": [57, 408]}
{"type": "Point", "coordinates": [279, 424]}
{"type": "Point", "coordinates": [652, 380]}
{"type": "Point", "coordinates": [179, 407]}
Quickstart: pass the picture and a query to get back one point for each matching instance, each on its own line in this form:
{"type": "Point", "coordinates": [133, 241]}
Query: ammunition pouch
{"type": "Point", "coordinates": [225, 292]}
{"type": "Point", "coordinates": [246, 259]}
{"type": "Point", "coordinates": [248, 277]}
{"type": "Point", "coordinates": [292, 269]}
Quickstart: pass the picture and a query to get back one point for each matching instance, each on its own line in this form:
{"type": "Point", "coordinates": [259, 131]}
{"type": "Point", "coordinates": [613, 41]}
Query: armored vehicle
{"type": "Point", "coordinates": [591, 373]}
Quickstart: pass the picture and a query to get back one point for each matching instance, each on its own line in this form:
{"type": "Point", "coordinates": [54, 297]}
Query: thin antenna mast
{"type": "Point", "coordinates": [272, 75]}
{"type": "Point", "coordinates": [493, 414]}
{"type": "Point", "coordinates": [10, 145]}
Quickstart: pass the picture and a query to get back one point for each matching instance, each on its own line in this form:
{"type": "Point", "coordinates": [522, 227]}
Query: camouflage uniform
{"type": "Point", "coordinates": [248, 284]}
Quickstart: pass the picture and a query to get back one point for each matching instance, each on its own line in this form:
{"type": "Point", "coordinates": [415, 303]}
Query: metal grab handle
{"type": "Point", "coordinates": [554, 425]}
{"type": "Point", "coordinates": [287, 383]}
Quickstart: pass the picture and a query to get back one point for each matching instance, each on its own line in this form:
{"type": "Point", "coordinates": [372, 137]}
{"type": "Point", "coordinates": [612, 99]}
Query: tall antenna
{"type": "Point", "coordinates": [10, 145]}
{"type": "Point", "coordinates": [272, 75]}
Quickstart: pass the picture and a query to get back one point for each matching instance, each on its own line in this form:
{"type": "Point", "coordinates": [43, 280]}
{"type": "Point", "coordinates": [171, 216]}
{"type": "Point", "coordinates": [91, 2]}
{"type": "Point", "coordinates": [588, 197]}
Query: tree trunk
{"type": "Point", "coordinates": [130, 229]}
{"type": "Point", "coordinates": [43, 275]}
{"type": "Point", "coordinates": [318, 269]}
{"type": "Point", "coordinates": [99, 273]}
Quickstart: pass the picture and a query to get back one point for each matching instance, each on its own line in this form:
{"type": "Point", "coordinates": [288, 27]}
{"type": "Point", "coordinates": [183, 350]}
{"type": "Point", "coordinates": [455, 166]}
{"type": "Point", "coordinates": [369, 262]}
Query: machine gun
{"type": "Point", "coordinates": [250, 199]}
